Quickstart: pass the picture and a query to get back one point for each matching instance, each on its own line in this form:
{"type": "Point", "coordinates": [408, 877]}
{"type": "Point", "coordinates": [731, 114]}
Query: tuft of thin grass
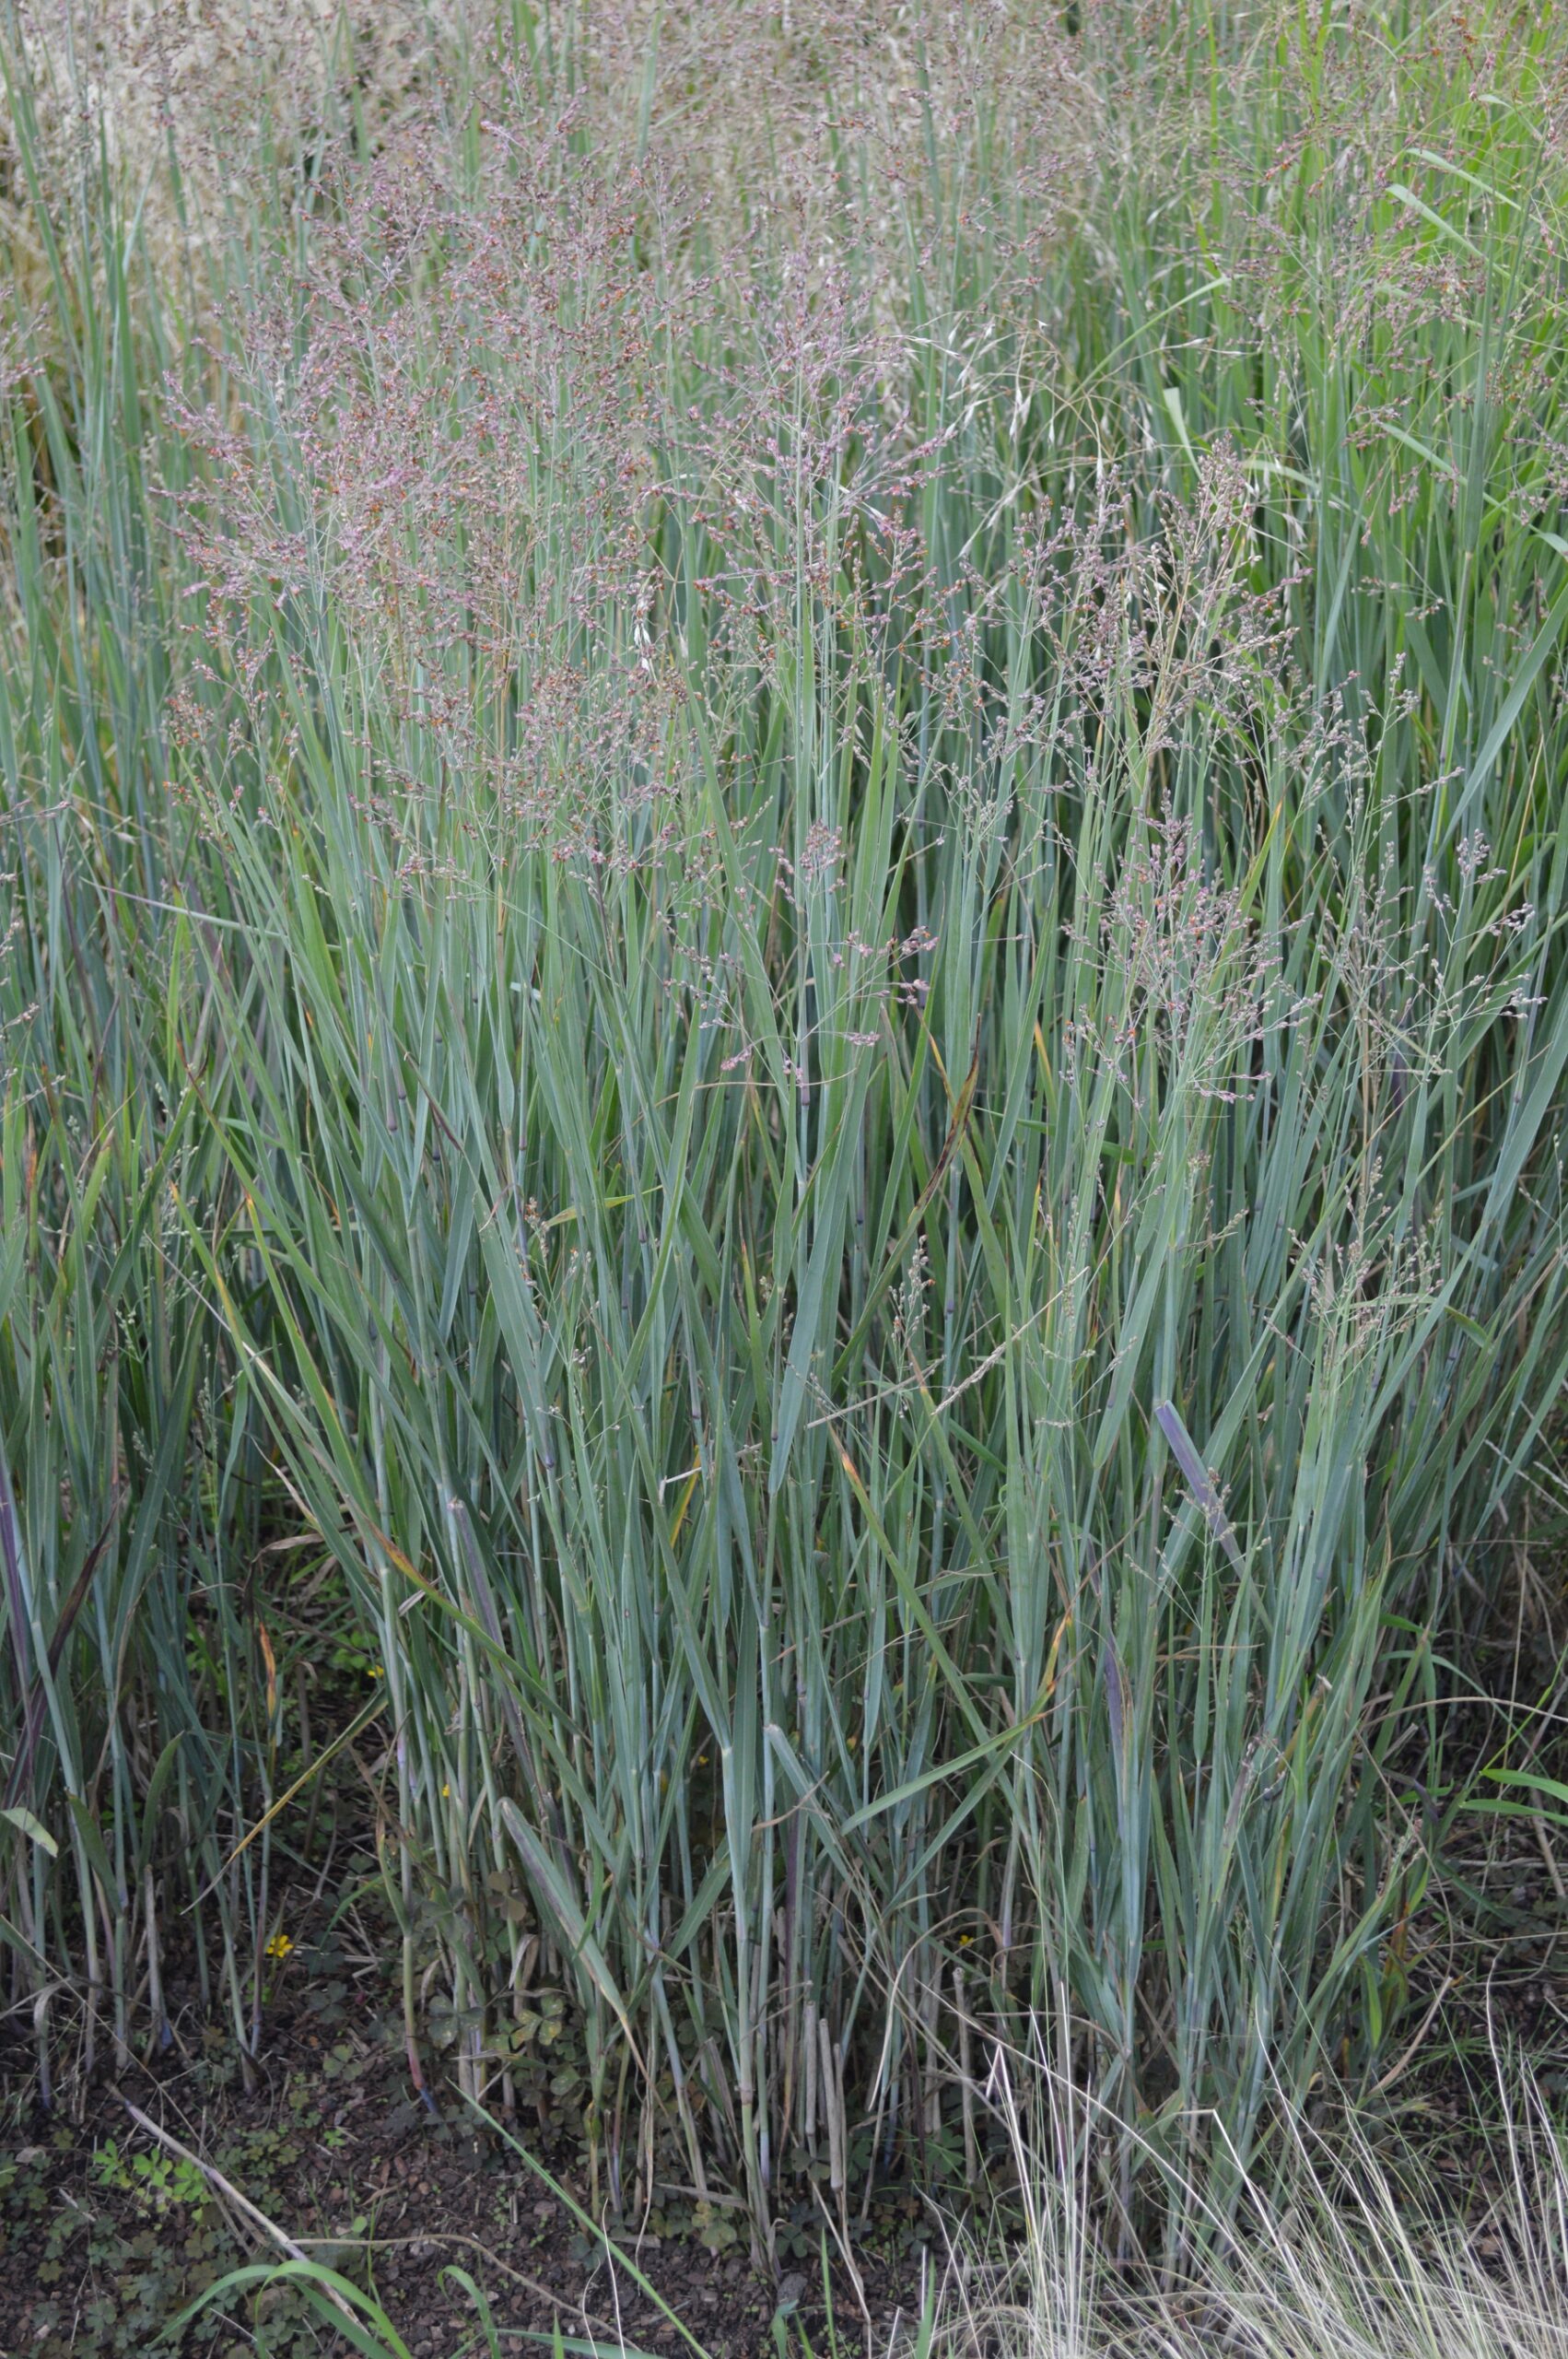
{"type": "Point", "coordinates": [1349, 2249]}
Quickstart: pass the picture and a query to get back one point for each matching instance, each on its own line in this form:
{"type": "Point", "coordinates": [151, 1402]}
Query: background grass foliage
{"type": "Point", "coordinates": [784, 994]}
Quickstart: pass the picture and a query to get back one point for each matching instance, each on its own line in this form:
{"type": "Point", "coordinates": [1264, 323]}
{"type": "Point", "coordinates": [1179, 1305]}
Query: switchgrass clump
{"type": "Point", "coordinates": [784, 990]}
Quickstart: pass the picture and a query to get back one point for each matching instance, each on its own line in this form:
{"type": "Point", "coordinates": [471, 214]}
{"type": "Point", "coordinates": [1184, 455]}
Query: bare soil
{"type": "Point", "coordinates": [106, 2235]}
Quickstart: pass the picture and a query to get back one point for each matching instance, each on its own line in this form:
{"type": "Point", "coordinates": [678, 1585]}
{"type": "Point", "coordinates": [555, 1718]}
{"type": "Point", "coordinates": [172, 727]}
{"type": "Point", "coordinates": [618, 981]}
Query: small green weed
{"type": "Point", "coordinates": [157, 2182]}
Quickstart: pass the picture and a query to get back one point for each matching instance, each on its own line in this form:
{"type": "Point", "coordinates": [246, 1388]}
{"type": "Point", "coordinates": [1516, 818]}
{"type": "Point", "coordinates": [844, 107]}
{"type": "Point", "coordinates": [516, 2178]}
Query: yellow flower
{"type": "Point", "coordinates": [279, 1945]}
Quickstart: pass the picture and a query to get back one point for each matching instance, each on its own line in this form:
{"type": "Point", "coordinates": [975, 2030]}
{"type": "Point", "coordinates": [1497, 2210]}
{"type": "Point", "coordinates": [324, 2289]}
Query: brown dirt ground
{"type": "Point", "coordinates": [101, 2246]}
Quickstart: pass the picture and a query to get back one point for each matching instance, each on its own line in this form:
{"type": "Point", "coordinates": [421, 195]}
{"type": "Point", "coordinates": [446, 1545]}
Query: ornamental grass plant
{"type": "Point", "coordinates": [784, 1007]}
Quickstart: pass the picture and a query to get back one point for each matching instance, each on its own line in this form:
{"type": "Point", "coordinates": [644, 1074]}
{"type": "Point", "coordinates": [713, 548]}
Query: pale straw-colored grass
{"type": "Point", "coordinates": [1351, 2250]}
